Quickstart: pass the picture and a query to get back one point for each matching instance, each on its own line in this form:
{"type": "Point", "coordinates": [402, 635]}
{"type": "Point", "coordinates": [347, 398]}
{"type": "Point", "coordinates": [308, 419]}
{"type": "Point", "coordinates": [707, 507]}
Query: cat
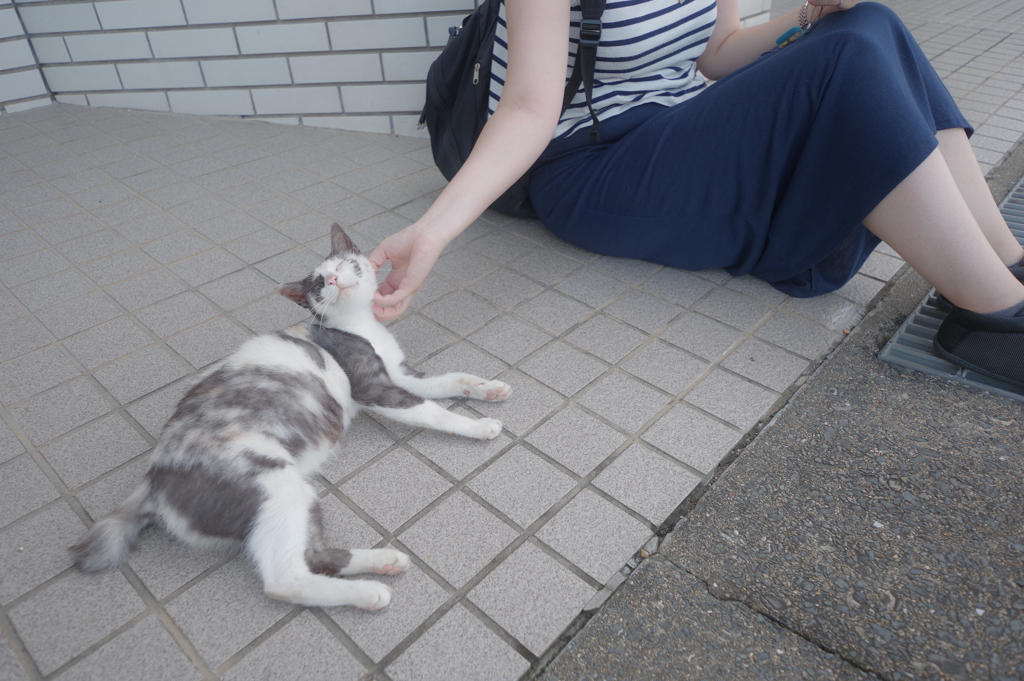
{"type": "Point", "coordinates": [235, 460]}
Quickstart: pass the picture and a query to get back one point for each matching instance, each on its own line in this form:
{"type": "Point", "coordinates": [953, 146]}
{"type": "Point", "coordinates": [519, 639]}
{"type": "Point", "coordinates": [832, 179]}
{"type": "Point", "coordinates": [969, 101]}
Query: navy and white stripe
{"type": "Point", "coordinates": [646, 55]}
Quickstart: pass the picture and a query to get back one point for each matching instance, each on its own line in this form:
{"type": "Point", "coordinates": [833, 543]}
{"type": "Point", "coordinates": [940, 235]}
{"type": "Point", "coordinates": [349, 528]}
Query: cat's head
{"type": "Point", "coordinates": [345, 281]}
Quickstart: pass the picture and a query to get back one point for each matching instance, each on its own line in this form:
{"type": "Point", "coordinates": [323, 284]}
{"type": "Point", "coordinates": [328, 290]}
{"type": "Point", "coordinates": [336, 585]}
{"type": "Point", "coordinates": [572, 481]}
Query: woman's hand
{"type": "Point", "coordinates": [413, 253]}
{"type": "Point", "coordinates": [827, 7]}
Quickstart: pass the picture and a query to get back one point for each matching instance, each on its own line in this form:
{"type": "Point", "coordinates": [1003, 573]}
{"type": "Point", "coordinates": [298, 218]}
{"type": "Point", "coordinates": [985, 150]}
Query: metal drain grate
{"type": "Point", "coordinates": [911, 346]}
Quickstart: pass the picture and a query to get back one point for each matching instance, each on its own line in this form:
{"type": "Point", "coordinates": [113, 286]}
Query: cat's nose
{"type": "Point", "coordinates": [332, 279]}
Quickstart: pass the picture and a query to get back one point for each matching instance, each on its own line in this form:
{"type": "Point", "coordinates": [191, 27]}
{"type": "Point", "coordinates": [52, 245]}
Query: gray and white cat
{"type": "Point", "coordinates": [235, 461]}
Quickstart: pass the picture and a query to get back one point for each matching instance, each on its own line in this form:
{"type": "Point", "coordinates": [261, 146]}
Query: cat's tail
{"type": "Point", "coordinates": [108, 542]}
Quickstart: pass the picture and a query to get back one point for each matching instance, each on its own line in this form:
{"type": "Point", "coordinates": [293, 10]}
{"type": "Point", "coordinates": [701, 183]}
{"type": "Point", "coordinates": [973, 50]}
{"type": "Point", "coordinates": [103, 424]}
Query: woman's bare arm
{"type": "Point", "coordinates": [513, 138]}
{"type": "Point", "coordinates": [731, 47]}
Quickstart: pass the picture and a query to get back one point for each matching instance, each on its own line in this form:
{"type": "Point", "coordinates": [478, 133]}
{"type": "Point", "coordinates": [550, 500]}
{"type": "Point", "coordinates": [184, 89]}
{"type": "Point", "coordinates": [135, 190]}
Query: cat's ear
{"type": "Point", "coordinates": [294, 291]}
{"type": "Point", "coordinates": [340, 243]}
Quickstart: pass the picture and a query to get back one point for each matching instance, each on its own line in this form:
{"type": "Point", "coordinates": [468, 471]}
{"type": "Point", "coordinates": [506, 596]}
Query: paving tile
{"type": "Point", "coordinates": [139, 373]}
{"type": "Point", "coordinates": [732, 399]}
{"type": "Point", "coordinates": [530, 402]}
{"type": "Point", "coordinates": [458, 648]}
{"type": "Point", "coordinates": [505, 288]}
{"type": "Point", "coordinates": [208, 342]}
{"type": "Point", "coordinates": [461, 358]}
{"type": "Point", "coordinates": [461, 312]}
{"type": "Point", "coordinates": [624, 401]}
{"type": "Point", "coordinates": [24, 488]}
{"type": "Point", "coordinates": [663, 366]}
{"type": "Point", "coordinates": [502, 246]}
{"type": "Point", "coordinates": [607, 338]}
{"type": "Point", "coordinates": [93, 450]}
{"type": "Point", "coordinates": [647, 482]}
{"type": "Point", "coordinates": [54, 633]}
{"type": "Point", "coordinates": [165, 564]}
{"type": "Point", "coordinates": [522, 485]}
{"type": "Point", "coordinates": [463, 266]}
{"type": "Point", "coordinates": [237, 289]}
{"type": "Point", "coordinates": [228, 227]}
{"type": "Point", "coordinates": [120, 213]}
{"type": "Point", "coordinates": [259, 245]}
{"type": "Point", "coordinates": [592, 287]}
{"type": "Point", "coordinates": [20, 337]}
{"type": "Point", "coordinates": [69, 228]}
{"type": "Point", "coordinates": [225, 611]}
{"type": "Point", "coordinates": [362, 442]}
{"type": "Point", "coordinates": [36, 549]}
{"type": "Point", "coordinates": [769, 366]}
{"type": "Point", "coordinates": [343, 528]}
{"type": "Point", "coordinates": [156, 178]}
{"type": "Point", "coordinates": [733, 308]}
{"type": "Point", "coordinates": [200, 210]}
{"type": "Point", "coordinates": [146, 289]}
{"type": "Point", "coordinates": [395, 488]}
{"type": "Point", "coordinates": [107, 342]}
{"type": "Point", "coordinates": [150, 228]}
{"type": "Point", "coordinates": [93, 247]}
{"type": "Point", "coordinates": [277, 210]}
{"type": "Point", "coordinates": [532, 596]}
{"type": "Point", "coordinates": [146, 651]}
{"type": "Point", "coordinates": [302, 644]}
{"type": "Point", "coordinates": [57, 411]}
{"type": "Point", "coordinates": [419, 337]}
{"type": "Point", "coordinates": [177, 246]}
{"type": "Point", "coordinates": [58, 288]}
{"type": "Point", "coordinates": [626, 269]}
{"type": "Point", "coordinates": [8, 310]}
{"type": "Point", "coordinates": [576, 440]}
{"type": "Point", "coordinates": [33, 373]}
{"type": "Point", "coordinates": [458, 538]}
{"type": "Point", "coordinates": [595, 535]}
{"type": "Point", "coordinates": [829, 310]}
{"type": "Point", "coordinates": [554, 312]}
{"type": "Point", "coordinates": [176, 313]}
{"type": "Point", "coordinates": [694, 438]}
{"type": "Point", "coordinates": [415, 598]}
{"type": "Point", "coordinates": [861, 289]}
{"type": "Point", "coordinates": [207, 266]}
{"type": "Point", "coordinates": [701, 336]}
{"type": "Point", "coordinates": [118, 267]}
{"type": "Point", "coordinates": [757, 288]}
{"type": "Point", "coordinates": [457, 455]}
{"type": "Point", "coordinates": [270, 314]}
{"type": "Point", "coordinates": [30, 267]}
{"type": "Point", "coordinates": [509, 339]}
{"type": "Point", "coordinates": [678, 286]}
{"type": "Point", "coordinates": [102, 195]}
{"type": "Point", "coordinates": [180, 192]}
{"type": "Point", "coordinates": [10, 446]}
{"type": "Point", "coordinates": [563, 368]}
{"type": "Point", "coordinates": [102, 496]}
{"type": "Point", "coordinates": [545, 266]}
{"type": "Point", "coordinates": [19, 243]}
{"type": "Point", "coordinates": [10, 667]}
{"type": "Point", "coordinates": [352, 211]}
{"type": "Point", "coordinates": [644, 311]}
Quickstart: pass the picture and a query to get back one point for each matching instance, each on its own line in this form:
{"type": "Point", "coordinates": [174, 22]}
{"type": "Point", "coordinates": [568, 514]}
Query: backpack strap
{"type": "Point", "coordinates": [586, 58]}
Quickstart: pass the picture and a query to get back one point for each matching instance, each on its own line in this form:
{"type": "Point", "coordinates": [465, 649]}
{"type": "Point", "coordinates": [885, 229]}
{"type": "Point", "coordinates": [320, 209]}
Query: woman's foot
{"type": "Point", "coordinates": [985, 343]}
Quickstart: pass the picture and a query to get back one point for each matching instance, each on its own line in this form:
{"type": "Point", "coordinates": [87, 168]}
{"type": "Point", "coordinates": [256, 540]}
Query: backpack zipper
{"type": "Point", "coordinates": [476, 73]}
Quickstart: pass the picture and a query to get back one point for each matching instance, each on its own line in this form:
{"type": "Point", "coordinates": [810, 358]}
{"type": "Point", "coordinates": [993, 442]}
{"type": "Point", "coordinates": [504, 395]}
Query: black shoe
{"type": "Point", "coordinates": [942, 302]}
{"type": "Point", "coordinates": [993, 346]}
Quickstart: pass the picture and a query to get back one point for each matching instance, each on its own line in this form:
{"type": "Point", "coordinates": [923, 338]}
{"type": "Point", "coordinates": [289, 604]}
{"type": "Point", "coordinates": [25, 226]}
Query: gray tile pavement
{"type": "Point", "coordinates": [137, 248]}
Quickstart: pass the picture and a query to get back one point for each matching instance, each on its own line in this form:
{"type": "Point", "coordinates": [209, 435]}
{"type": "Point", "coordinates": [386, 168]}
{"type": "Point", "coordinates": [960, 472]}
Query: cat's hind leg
{"type": "Point", "coordinates": [283, 540]}
{"type": "Point", "coordinates": [453, 385]}
{"type": "Point", "coordinates": [332, 562]}
{"type": "Point", "coordinates": [432, 415]}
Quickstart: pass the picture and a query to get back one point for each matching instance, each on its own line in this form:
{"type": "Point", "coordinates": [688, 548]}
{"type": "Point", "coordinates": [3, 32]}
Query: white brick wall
{"type": "Point", "coordinates": [353, 64]}
{"type": "Point", "coordinates": [21, 83]}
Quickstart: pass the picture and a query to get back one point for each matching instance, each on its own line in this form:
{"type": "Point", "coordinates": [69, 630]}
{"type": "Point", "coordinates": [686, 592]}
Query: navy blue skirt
{"type": "Point", "coordinates": [770, 171]}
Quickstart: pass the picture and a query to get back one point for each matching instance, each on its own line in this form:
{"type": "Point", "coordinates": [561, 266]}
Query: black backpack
{"type": "Point", "coordinates": [458, 87]}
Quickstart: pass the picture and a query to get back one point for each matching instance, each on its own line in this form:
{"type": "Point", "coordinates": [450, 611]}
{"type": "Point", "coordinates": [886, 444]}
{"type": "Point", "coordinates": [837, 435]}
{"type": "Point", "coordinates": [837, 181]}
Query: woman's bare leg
{"type": "Point", "coordinates": [959, 156]}
{"type": "Point", "coordinates": [929, 222]}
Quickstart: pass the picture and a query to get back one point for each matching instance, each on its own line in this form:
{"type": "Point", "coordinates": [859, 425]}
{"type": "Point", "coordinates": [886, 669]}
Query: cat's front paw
{"type": "Point", "coordinates": [488, 428]}
{"type": "Point", "coordinates": [491, 391]}
{"type": "Point", "coordinates": [371, 595]}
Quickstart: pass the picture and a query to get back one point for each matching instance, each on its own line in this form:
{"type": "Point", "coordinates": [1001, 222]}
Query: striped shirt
{"type": "Point", "coordinates": [646, 55]}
